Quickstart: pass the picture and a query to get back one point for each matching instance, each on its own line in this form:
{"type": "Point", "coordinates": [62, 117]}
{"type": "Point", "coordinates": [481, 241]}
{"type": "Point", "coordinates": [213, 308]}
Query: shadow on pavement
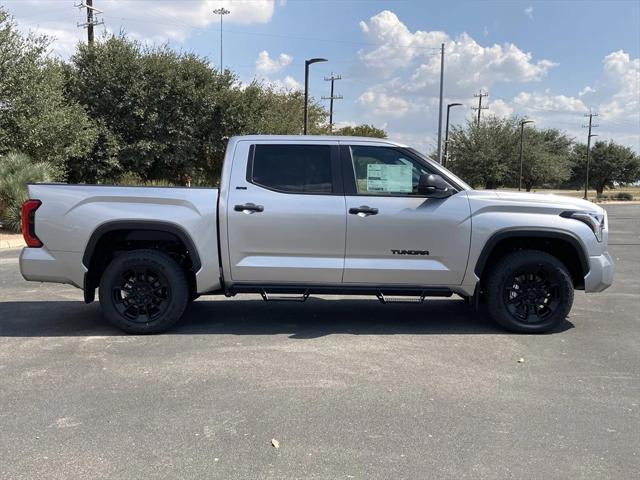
{"type": "Point", "coordinates": [315, 318]}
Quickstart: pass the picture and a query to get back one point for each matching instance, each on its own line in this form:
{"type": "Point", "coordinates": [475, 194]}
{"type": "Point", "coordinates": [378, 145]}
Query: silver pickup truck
{"type": "Point", "coordinates": [302, 215]}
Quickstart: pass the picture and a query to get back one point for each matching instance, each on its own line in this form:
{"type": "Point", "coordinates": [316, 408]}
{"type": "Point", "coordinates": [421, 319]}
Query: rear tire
{"type": "Point", "coordinates": [529, 291]}
{"type": "Point", "coordinates": [143, 292]}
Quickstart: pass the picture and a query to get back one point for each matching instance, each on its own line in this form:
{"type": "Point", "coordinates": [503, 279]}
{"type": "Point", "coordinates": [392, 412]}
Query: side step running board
{"type": "Point", "coordinates": [402, 299]}
{"type": "Point", "coordinates": [302, 298]}
{"type": "Point", "coordinates": [300, 293]}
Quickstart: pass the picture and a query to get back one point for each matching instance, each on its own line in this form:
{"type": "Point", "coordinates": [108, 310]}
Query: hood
{"type": "Point", "coordinates": [549, 199]}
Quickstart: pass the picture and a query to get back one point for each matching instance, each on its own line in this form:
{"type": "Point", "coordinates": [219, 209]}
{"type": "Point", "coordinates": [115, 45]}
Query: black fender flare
{"type": "Point", "coordinates": [148, 225]}
{"type": "Point", "coordinates": [497, 237]}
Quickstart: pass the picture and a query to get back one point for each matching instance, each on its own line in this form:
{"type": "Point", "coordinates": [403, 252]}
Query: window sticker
{"type": "Point", "coordinates": [389, 178]}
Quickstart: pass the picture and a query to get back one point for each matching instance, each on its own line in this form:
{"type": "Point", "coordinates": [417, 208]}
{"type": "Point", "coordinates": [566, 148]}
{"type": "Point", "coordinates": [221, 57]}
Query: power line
{"type": "Point", "coordinates": [92, 19]}
{"type": "Point", "coordinates": [590, 126]}
{"type": "Point", "coordinates": [332, 97]}
{"type": "Point", "coordinates": [173, 21]}
{"type": "Point", "coordinates": [479, 108]}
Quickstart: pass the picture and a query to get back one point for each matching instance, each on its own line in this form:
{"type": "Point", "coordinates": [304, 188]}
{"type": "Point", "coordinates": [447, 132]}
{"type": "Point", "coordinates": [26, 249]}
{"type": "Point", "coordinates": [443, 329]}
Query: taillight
{"type": "Point", "coordinates": [29, 223]}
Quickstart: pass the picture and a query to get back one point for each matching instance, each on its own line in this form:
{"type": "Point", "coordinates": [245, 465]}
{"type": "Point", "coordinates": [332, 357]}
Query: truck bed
{"type": "Point", "coordinates": [71, 214]}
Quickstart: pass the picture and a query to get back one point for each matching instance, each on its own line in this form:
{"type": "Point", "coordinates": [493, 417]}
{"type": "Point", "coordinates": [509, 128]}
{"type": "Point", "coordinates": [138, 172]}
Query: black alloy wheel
{"type": "Point", "coordinates": [529, 291]}
{"type": "Point", "coordinates": [142, 295]}
{"type": "Point", "coordinates": [532, 294]}
{"type": "Point", "coordinates": [144, 291]}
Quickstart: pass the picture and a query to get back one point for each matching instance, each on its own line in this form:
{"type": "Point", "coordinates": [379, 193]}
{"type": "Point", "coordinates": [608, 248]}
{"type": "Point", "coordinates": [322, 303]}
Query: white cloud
{"type": "Point", "coordinates": [266, 65]}
{"type": "Point", "coordinates": [287, 84]}
{"type": "Point", "coordinates": [529, 11]}
{"type": "Point", "coordinates": [377, 101]}
{"type": "Point", "coordinates": [160, 22]}
{"type": "Point", "coordinates": [467, 64]}
{"type": "Point", "coordinates": [543, 102]}
{"type": "Point", "coordinates": [622, 74]}
{"type": "Point", "coordinates": [397, 45]}
{"type": "Point", "coordinates": [586, 90]}
{"type": "Point", "coordinates": [500, 108]}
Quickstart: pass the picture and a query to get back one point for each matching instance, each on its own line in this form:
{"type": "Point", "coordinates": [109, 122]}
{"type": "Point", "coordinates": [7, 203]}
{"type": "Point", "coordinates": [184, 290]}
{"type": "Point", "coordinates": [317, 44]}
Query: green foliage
{"type": "Point", "coordinates": [167, 115]}
{"type": "Point", "coordinates": [132, 180]}
{"type": "Point", "coordinates": [489, 154]}
{"type": "Point", "coordinates": [482, 155]}
{"type": "Point", "coordinates": [269, 111]}
{"type": "Point", "coordinates": [545, 159]}
{"type": "Point", "coordinates": [160, 114]}
{"type": "Point", "coordinates": [625, 196]}
{"type": "Point", "coordinates": [610, 164]}
{"type": "Point", "coordinates": [16, 171]}
{"type": "Point", "coordinates": [35, 117]}
{"type": "Point", "coordinates": [364, 130]}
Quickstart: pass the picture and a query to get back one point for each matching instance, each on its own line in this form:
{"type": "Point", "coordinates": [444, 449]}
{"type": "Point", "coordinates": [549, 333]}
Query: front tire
{"type": "Point", "coordinates": [143, 292]}
{"type": "Point", "coordinates": [529, 291]}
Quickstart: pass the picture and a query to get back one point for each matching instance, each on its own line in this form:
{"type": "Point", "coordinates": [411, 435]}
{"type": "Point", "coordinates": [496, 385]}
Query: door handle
{"type": "Point", "coordinates": [363, 211]}
{"type": "Point", "coordinates": [249, 208]}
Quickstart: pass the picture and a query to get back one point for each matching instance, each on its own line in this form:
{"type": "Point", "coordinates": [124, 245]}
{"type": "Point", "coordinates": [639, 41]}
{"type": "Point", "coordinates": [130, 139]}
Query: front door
{"type": "Point", "coordinates": [395, 236]}
{"type": "Point", "coordinates": [286, 214]}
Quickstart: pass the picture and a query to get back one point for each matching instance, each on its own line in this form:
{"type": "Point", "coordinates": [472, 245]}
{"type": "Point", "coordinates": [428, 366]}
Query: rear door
{"type": "Point", "coordinates": [286, 213]}
{"type": "Point", "coordinates": [395, 235]}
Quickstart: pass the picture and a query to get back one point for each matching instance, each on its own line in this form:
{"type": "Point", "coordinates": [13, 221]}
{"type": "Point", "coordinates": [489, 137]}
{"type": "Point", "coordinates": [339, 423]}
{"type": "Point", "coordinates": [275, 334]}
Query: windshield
{"type": "Point", "coordinates": [446, 173]}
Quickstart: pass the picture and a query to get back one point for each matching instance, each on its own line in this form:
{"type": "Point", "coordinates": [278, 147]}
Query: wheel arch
{"type": "Point", "coordinates": [562, 245]}
{"type": "Point", "coordinates": [136, 232]}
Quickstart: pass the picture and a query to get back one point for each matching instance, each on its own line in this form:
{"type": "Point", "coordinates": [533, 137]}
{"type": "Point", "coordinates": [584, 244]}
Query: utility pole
{"type": "Point", "coordinates": [522, 124]}
{"type": "Point", "coordinates": [306, 90]}
{"type": "Point", "coordinates": [331, 98]}
{"type": "Point", "coordinates": [222, 12]}
{"type": "Point", "coordinates": [440, 106]}
{"type": "Point", "coordinates": [590, 126]}
{"type": "Point", "coordinates": [92, 20]}
{"type": "Point", "coordinates": [479, 108]}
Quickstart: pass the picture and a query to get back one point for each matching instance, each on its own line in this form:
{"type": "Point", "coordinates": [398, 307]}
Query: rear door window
{"type": "Point", "coordinates": [292, 168]}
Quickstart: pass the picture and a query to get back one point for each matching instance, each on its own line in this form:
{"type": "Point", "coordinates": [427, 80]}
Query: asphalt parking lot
{"type": "Point", "coordinates": [349, 388]}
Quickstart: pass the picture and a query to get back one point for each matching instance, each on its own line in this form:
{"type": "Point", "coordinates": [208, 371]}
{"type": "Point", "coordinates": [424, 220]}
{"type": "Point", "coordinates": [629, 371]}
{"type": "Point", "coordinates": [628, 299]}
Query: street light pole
{"type": "Point", "coordinates": [306, 90]}
{"type": "Point", "coordinates": [440, 104]}
{"type": "Point", "coordinates": [522, 124]}
{"type": "Point", "coordinates": [446, 135]}
{"type": "Point", "coordinates": [222, 12]}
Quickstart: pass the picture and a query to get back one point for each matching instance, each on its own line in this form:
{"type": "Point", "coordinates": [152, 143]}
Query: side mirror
{"type": "Point", "coordinates": [434, 186]}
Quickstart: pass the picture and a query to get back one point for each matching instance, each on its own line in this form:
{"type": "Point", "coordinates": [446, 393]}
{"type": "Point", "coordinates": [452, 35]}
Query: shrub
{"type": "Point", "coordinates": [622, 196]}
{"type": "Point", "coordinates": [16, 171]}
{"type": "Point", "coordinates": [133, 180]}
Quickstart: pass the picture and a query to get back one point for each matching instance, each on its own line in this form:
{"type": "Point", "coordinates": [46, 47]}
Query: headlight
{"type": "Point", "coordinates": [595, 221]}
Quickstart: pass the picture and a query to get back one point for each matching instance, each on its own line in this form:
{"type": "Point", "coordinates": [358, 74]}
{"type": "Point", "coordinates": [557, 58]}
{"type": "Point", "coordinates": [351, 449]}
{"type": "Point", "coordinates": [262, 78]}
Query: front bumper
{"type": "Point", "coordinates": [600, 276]}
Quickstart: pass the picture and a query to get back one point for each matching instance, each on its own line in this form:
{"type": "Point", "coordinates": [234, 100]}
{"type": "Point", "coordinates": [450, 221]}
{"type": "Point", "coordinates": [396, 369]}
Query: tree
{"type": "Point", "coordinates": [270, 111]}
{"type": "Point", "coordinates": [609, 164]}
{"type": "Point", "coordinates": [545, 159]}
{"type": "Point", "coordinates": [165, 115]}
{"type": "Point", "coordinates": [364, 130]}
{"type": "Point", "coordinates": [483, 154]}
{"type": "Point", "coordinates": [159, 113]}
{"type": "Point", "coordinates": [35, 117]}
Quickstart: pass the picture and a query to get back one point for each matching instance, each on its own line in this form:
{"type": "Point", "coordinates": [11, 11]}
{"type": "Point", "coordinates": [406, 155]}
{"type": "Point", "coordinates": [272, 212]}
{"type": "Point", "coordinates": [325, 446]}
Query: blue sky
{"type": "Point", "coordinates": [550, 61]}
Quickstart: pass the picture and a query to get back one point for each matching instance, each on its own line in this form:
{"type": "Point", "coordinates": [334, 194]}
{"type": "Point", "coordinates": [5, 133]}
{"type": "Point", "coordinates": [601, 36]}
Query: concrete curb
{"type": "Point", "coordinates": [11, 241]}
{"type": "Point", "coordinates": [618, 202]}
